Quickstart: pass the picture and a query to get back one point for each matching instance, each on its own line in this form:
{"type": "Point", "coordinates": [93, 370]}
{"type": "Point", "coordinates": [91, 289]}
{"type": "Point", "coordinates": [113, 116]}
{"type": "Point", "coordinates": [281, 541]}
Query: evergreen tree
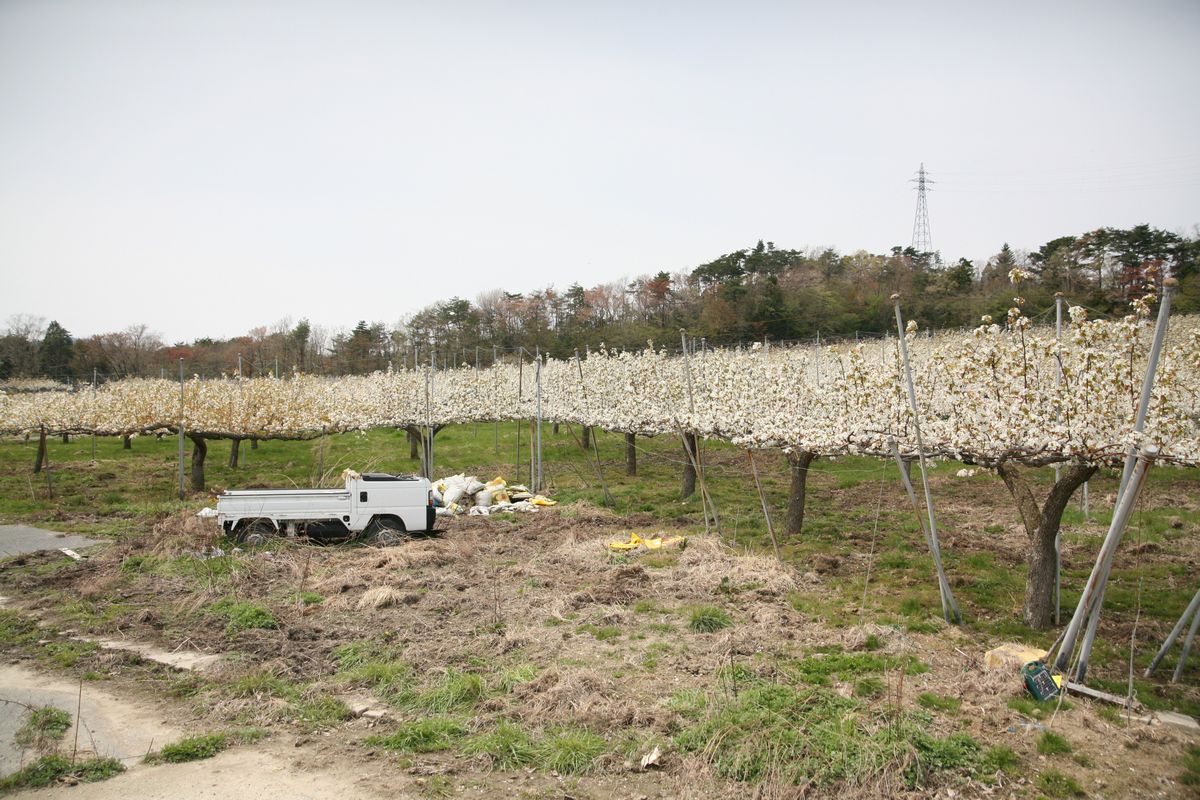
{"type": "Point", "coordinates": [57, 353]}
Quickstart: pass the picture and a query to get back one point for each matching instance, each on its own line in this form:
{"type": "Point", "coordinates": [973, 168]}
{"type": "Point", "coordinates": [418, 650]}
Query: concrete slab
{"type": "Point", "coordinates": [18, 539]}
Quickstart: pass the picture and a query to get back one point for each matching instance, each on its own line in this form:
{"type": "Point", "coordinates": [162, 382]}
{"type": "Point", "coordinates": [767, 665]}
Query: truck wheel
{"type": "Point", "coordinates": [385, 532]}
{"type": "Point", "coordinates": [255, 534]}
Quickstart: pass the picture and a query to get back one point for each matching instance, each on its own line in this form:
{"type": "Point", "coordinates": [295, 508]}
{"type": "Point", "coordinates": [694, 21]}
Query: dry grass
{"type": "Point", "coordinates": [379, 597]}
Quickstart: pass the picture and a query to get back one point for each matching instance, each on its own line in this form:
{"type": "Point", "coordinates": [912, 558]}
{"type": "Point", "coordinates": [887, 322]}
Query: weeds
{"type": "Point", "coordinates": [51, 769]}
{"type": "Point", "coordinates": [427, 735]}
{"type": "Point", "coordinates": [193, 748]}
{"type": "Point", "coordinates": [601, 633]}
{"type": "Point", "coordinates": [570, 751]}
{"type": "Point", "coordinates": [999, 759]}
{"type": "Point", "coordinates": [507, 747]}
{"type": "Point", "coordinates": [320, 712]}
{"type": "Point", "coordinates": [1038, 709]}
{"type": "Point", "coordinates": [1052, 744]}
{"type": "Point", "coordinates": [514, 676]}
{"type": "Point", "coordinates": [1057, 785]}
{"type": "Point", "coordinates": [376, 667]}
{"type": "Point", "coordinates": [708, 619]}
{"type": "Point", "coordinates": [243, 615]}
{"type": "Point", "coordinates": [455, 691]}
{"type": "Point", "coordinates": [936, 702]}
{"type": "Point", "coordinates": [809, 734]}
{"type": "Point", "coordinates": [44, 727]}
{"type": "Point", "coordinates": [1191, 768]}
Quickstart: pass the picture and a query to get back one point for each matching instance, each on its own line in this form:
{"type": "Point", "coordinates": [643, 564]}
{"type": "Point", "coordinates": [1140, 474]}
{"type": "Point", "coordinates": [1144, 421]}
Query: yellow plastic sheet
{"type": "Point", "coordinates": [636, 542]}
{"type": "Point", "coordinates": [538, 500]}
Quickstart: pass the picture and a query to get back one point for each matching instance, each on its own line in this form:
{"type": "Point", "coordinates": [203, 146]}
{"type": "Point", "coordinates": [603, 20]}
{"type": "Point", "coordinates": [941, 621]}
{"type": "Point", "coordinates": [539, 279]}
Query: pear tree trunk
{"type": "Point", "coordinates": [1042, 523]}
{"type": "Point", "coordinates": [689, 467]}
{"type": "Point", "coordinates": [199, 451]}
{"type": "Point", "coordinates": [798, 461]}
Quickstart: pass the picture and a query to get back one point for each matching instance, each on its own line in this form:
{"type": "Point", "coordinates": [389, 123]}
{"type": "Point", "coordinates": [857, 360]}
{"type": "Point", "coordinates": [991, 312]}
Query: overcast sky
{"type": "Point", "coordinates": [204, 167]}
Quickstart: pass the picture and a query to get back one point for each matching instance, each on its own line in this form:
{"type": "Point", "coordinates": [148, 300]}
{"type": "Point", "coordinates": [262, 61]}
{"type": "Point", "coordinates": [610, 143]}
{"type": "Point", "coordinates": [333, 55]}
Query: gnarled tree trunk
{"type": "Point", "coordinates": [235, 447]}
{"type": "Point", "coordinates": [587, 435]}
{"type": "Point", "coordinates": [66, 438]}
{"type": "Point", "coordinates": [414, 444]}
{"type": "Point", "coordinates": [1042, 524]}
{"type": "Point", "coordinates": [690, 459]}
{"type": "Point", "coordinates": [253, 442]}
{"type": "Point", "coordinates": [199, 451]}
{"type": "Point", "coordinates": [126, 442]}
{"type": "Point", "coordinates": [630, 455]}
{"type": "Point", "coordinates": [798, 461]}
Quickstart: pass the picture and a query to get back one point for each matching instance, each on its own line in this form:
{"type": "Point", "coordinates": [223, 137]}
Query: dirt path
{"type": "Point", "coordinates": [247, 774]}
{"type": "Point", "coordinates": [111, 726]}
{"type": "Point", "coordinates": [126, 729]}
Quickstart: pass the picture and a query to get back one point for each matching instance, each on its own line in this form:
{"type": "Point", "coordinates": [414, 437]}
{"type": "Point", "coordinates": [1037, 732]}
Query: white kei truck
{"type": "Point", "coordinates": [374, 506]}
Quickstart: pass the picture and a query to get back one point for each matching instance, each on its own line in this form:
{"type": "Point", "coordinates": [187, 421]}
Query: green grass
{"type": "Point", "coordinates": [999, 759]}
{"type": "Point", "coordinates": [243, 616]}
{"type": "Point", "coordinates": [1052, 744]}
{"type": "Point", "coordinates": [569, 751]}
{"type": "Point", "coordinates": [514, 676]}
{"type": "Point", "coordinates": [506, 747]}
{"type": "Point", "coordinates": [193, 748]}
{"type": "Point", "coordinates": [1191, 767]}
{"type": "Point", "coordinates": [43, 727]}
{"type": "Point", "coordinates": [1038, 709]}
{"type": "Point", "coordinates": [428, 735]}
{"type": "Point", "coordinates": [124, 491]}
{"type": "Point", "coordinates": [820, 668]}
{"type": "Point", "coordinates": [809, 734]}
{"type": "Point", "coordinates": [261, 685]}
{"type": "Point", "coordinates": [377, 667]}
{"type": "Point", "coordinates": [601, 633]}
{"type": "Point", "coordinates": [936, 702]}
{"type": "Point", "coordinates": [67, 654]}
{"type": "Point", "coordinates": [1057, 785]}
{"type": "Point", "coordinates": [319, 713]}
{"type": "Point", "coordinates": [50, 769]}
{"type": "Point", "coordinates": [453, 691]}
{"type": "Point", "coordinates": [708, 619]}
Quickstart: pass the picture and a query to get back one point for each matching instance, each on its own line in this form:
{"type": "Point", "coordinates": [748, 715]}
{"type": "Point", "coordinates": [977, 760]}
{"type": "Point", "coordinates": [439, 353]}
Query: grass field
{"type": "Point", "coordinates": [820, 644]}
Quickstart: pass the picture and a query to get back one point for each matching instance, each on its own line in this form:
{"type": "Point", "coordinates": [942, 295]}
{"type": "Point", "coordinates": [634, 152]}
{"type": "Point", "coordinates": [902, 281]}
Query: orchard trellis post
{"type": "Point", "coordinates": [1058, 376]}
{"type": "Point", "coordinates": [537, 487]}
{"type": "Point", "coordinates": [1089, 600]}
{"type": "Point", "coordinates": [182, 408]}
{"type": "Point", "coordinates": [1189, 612]}
{"type": "Point", "coordinates": [1139, 425]}
{"type": "Point", "coordinates": [93, 414]}
{"type": "Point", "coordinates": [950, 607]}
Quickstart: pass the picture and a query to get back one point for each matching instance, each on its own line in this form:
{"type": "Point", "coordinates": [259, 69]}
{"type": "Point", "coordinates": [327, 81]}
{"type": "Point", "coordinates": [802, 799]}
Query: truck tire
{"type": "Point", "coordinates": [255, 533]}
{"type": "Point", "coordinates": [385, 532]}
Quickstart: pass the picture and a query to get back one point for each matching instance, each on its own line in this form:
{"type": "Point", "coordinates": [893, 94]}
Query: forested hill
{"type": "Point", "coordinates": [760, 291]}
